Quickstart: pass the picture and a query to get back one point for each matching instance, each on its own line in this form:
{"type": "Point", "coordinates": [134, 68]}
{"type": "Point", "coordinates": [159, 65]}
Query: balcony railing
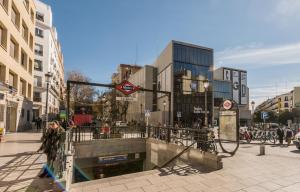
{"type": "Point", "coordinates": [37, 99]}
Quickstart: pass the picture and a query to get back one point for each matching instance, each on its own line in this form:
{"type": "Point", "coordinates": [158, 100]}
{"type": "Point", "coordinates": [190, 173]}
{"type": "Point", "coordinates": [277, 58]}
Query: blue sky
{"type": "Point", "coordinates": [259, 36]}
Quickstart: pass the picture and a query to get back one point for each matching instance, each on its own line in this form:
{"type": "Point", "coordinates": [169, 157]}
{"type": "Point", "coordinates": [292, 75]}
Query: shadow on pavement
{"type": "Point", "coordinates": [20, 173]}
{"type": "Point", "coordinates": [184, 170]}
{"type": "Point", "coordinates": [296, 151]}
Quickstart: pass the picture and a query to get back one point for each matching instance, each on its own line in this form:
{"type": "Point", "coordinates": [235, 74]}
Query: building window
{"type": "Point", "coordinates": [2, 107]}
{"type": "Point", "coordinates": [4, 4]}
{"type": "Point", "coordinates": [30, 66]}
{"type": "Point", "coordinates": [12, 80]}
{"type": "Point", "coordinates": [39, 32]}
{"type": "Point", "coordinates": [22, 113]}
{"type": "Point", "coordinates": [15, 16]}
{"type": "Point", "coordinates": [32, 15]}
{"type": "Point", "coordinates": [14, 49]}
{"type": "Point", "coordinates": [23, 59]}
{"type": "Point", "coordinates": [37, 81]}
{"type": "Point", "coordinates": [29, 90]}
{"type": "Point", "coordinates": [37, 97]}
{"type": "Point", "coordinates": [38, 49]}
{"type": "Point", "coordinates": [22, 87]}
{"type": "Point", "coordinates": [31, 41]}
{"type": "Point", "coordinates": [28, 115]}
{"type": "Point", "coordinates": [2, 73]}
{"type": "Point", "coordinates": [26, 4]}
{"type": "Point", "coordinates": [3, 36]}
{"type": "Point", "coordinates": [286, 105]}
{"type": "Point", "coordinates": [39, 16]}
{"type": "Point", "coordinates": [25, 32]}
{"type": "Point", "coordinates": [38, 65]}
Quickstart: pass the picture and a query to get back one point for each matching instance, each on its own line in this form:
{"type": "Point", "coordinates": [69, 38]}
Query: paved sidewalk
{"type": "Point", "coordinates": [20, 164]}
{"type": "Point", "coordinates": [278, 171]}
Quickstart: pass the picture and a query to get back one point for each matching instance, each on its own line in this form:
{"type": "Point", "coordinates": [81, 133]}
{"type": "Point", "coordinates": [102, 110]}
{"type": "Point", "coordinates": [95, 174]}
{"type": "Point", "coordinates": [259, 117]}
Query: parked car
{"type": "Point", "coordinates": [297, 140]}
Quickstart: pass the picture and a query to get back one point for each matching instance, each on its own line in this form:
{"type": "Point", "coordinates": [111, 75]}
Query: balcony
{"type": "Point", "coordinates": [37, 99]}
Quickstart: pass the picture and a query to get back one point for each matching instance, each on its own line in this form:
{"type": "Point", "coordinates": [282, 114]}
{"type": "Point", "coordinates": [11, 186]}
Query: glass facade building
{"type": "Point", "coordinates": [222, 91]}
{"type": "Point", "coordinates": [191, 66]}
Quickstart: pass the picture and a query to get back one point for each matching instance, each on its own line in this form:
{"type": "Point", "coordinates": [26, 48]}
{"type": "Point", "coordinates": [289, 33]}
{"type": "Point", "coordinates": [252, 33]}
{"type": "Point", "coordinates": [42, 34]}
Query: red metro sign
{"type": "Point", "coordinates": [127, 88]}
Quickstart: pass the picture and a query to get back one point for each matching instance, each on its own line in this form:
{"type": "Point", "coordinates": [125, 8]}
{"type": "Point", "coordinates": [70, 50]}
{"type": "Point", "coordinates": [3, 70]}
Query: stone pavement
{"type": "Point", "coordinates": [278, 170]}
{"type": "Point", "coordinates": [20, 164]}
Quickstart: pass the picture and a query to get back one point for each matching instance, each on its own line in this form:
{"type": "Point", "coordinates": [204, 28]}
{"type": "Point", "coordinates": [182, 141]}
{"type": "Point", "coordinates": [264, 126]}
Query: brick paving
{"type": "Point", "coordinates": [278, 171]}
{"type": "Point", "coordinates": [20, 165]}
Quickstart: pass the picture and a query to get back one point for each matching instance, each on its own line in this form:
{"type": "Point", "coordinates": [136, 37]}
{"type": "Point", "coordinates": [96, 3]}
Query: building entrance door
{"type": "Point", "coordinates": [11, 118]}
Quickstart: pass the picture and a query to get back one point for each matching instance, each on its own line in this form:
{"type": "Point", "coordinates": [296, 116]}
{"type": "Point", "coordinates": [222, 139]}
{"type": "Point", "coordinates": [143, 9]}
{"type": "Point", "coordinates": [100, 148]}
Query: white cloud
{"type": "Point", "coordinates": [287, 8]}
{"type": "Point", "coordinates": [256, 55]}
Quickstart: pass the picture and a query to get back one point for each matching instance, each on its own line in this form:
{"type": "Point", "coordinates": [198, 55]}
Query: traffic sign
{"type": "Point", "coordinates": [178, 114]}
{"type": "Point", "coordinates": [227, 104]}
{"type": "Point", "coordinates": [264, 115]}
{"type": "Point", "coordinates": [147, 113]}
{"type": "Point", "coordinates": [127, 88]}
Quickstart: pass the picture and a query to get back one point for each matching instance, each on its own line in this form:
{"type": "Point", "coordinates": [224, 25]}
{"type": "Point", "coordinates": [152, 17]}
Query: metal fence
{"type": "Point", "coordinates": [198, 138]}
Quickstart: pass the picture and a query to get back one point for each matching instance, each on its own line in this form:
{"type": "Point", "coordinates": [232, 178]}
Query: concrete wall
{"type": "Point", "coordinates": [158, 153]}
{"type": "Point", "coordinates": [106, 147]}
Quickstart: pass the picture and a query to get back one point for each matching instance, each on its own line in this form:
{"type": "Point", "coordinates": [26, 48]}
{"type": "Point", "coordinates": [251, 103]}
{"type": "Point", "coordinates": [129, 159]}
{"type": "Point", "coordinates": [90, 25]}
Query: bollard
{"type": "Point", "coordinates": [262, 149]}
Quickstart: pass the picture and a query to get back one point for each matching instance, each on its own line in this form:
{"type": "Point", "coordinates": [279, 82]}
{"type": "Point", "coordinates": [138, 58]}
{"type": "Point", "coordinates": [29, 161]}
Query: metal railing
{"type": "Point", "coordinates": [88, 133]}
{"type": "Point", "coordinates": [203, 138]}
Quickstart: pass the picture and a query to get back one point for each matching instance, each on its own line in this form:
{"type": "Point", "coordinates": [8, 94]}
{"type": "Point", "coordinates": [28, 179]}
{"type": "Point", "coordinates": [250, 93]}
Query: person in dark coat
{"type": "Point", "coordinates": [280, 134]}
{"type": "Point", "coordinates": [52, 145]}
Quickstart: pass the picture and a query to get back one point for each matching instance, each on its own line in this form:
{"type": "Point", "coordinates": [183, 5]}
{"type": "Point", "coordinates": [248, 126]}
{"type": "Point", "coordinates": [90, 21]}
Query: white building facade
{"type": "Point", "coordinates": [48, 60]}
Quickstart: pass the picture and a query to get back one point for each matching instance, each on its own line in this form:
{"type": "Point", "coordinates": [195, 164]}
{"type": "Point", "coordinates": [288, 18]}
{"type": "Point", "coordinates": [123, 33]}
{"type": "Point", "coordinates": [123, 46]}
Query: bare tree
{"type": "Point", "coordinates": [80, 94]}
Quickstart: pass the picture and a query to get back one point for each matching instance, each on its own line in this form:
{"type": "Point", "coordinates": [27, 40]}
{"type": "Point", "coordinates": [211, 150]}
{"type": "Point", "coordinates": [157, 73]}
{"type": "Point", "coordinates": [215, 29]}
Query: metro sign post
{"type": "Point", "coordinates": [127, 88]}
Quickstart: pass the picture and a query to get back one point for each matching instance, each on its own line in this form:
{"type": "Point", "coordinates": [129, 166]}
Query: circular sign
{"type": "Point", "coordinates": [227, 104]}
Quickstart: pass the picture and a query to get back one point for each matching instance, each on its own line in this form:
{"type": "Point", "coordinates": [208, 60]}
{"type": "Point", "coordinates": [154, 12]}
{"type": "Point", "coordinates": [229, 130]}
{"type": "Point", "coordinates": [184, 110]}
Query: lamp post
{"type": "Point", "coordinates": [48, 78]}
{"type": "Point", "coordinates": [252, 106]}
{"type": "Point", "coordinates": [206, 85]}
{"type": "Point", "coordinates": [165, 104]}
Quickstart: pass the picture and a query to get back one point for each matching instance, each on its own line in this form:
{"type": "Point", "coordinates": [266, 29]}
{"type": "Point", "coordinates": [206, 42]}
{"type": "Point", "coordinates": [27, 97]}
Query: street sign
{"type": "Point", "coordinates": [126, 99]}
{"type": "Point", "coordinates": [264, 115]}
{"type": "Point", "coordinates": [178, 114]}
{"type": "Point", "coordinates": [147, 113]}
{"type": "Point", "coordinates": [197, 110]}
{"type": "Point", "coordinates": [127, 88]}
{"type": "Point", "coordinates": [227, 104]}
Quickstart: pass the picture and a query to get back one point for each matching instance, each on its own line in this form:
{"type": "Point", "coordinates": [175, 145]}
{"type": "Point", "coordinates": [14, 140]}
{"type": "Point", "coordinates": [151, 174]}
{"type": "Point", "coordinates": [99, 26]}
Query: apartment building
{"type": "Point", "coordinates": [284, 102]}
{"type": "Point", "coordinates": [17, 20]}
{"type": "Point", "coordinates": [48, 60]}
{"type": "Point", "coordinates": [124, 71]}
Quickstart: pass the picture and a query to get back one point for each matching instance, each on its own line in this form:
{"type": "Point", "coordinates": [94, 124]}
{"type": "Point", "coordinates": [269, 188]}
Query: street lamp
{"type": "Point", "coordinates": [206, 85]}
{"type": "Point", "coordinates": [165, 104]}
{"type": "Point", "coordinates": [48, 78]}
{"type": "Point", "coordinates": [252, 106]}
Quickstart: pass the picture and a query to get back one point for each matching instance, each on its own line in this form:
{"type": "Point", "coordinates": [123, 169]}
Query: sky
{"type": "Point", "coordinates": [261, 37]}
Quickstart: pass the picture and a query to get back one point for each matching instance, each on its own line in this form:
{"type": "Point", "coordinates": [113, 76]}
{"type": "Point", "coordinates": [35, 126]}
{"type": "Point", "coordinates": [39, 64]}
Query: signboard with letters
{"type": "Point", "coordinates": [229, 126]}
{"type": "Point", "coordinates": [127, 88]}
{"type": "Point", "coordinates": [227, 75]}
{"type": "Point", "coordinates": [126, 99]}
{"type": "Point", "coordinates": [236, 86]}
{"type": "Point", "coordinates": [244, 89]}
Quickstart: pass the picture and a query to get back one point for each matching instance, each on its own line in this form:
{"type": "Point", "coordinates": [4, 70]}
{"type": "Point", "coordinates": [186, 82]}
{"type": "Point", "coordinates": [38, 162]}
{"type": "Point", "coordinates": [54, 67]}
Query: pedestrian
{"type": "Point", "coordinates": [280, 134]}
{"type": "Point", "coordinates": [38, 122]}
{"type": "Point", "coordinates": [289, 135]}
{"type": "Point", "coordinates": [52, 146]}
